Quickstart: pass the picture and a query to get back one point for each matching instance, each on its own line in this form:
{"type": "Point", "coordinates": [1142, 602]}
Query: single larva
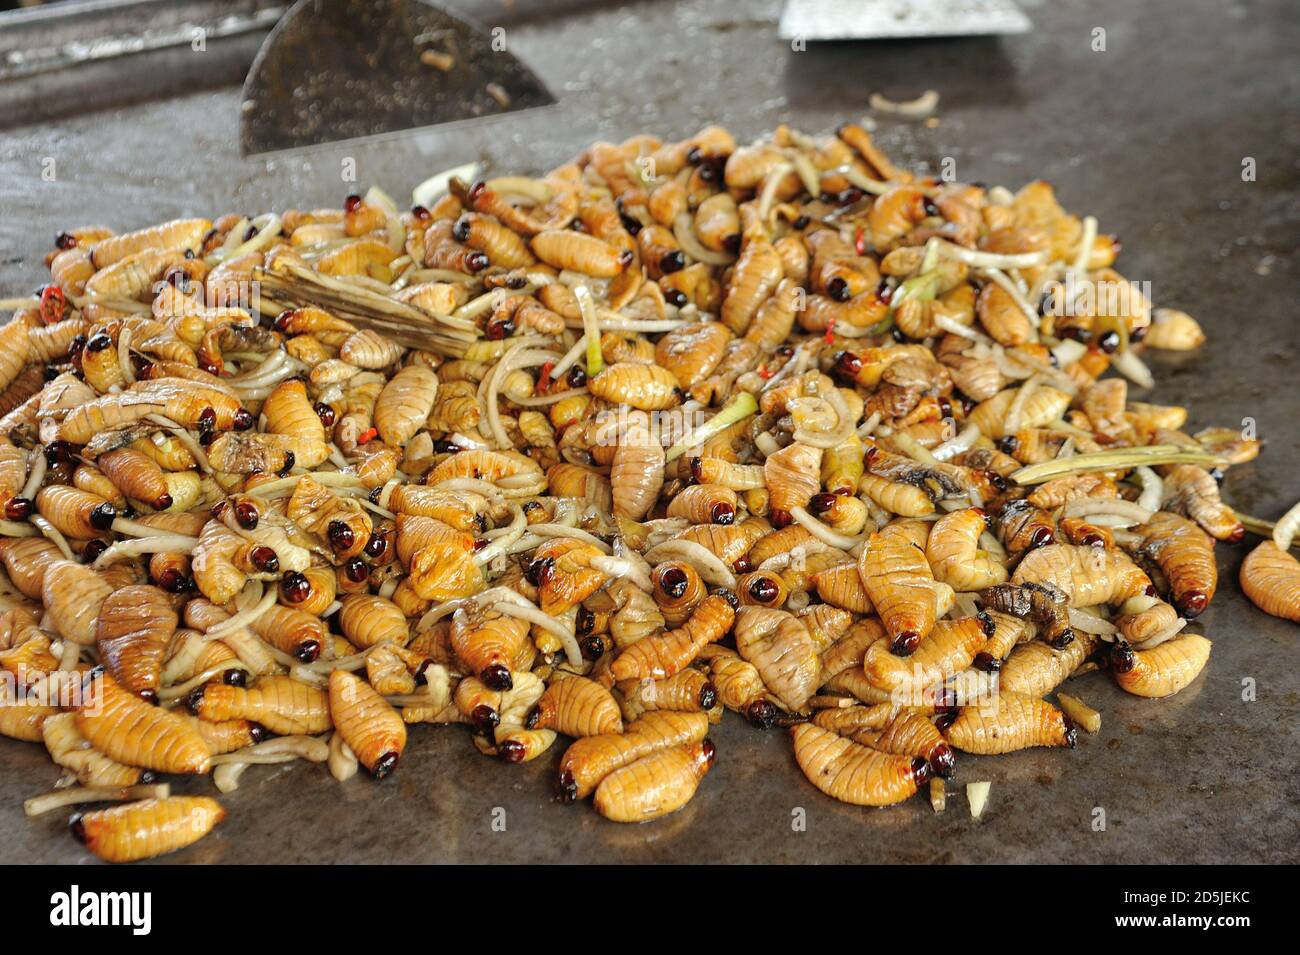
{"type": "Point", "coordinates": [1162, 670]}
{"type": "Point", "coordinates": [126, 729]}
{"type": "Point", "coordinates": [134, 627]}
{"type": "Point", "coordinates": [371, 728]}
{"type": "Point", "coordinates": [1271, 579]}
{"type": "Point", "coordinates": [898, 579]}
{"type": "Point", "coordinates": [780, 647]}
{"type": "Point", "coordinates": [654, 785]}
{"type": "Point", "coordinates": [659, 656]}
{"type": "Point", "coordinates": [853, 773]}
{"type": "Point", "coordinates": [280, 703]}
{"type": "Point", "coordinates": [1008, 722]}
{"type": "Point", "coordinates": [576, 706]}
{"type": "Point", "coordinates": [142, 830]}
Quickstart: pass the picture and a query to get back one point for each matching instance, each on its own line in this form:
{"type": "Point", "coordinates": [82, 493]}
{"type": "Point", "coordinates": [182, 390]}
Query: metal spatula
{"type": "Point", "coordinates": [896, 19]}
{"type": "Point", "coordinates": [343, 69]}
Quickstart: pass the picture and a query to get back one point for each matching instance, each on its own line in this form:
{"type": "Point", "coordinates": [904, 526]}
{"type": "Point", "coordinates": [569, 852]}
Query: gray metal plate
{"type": "Point", "coordinates": [1149, 136]}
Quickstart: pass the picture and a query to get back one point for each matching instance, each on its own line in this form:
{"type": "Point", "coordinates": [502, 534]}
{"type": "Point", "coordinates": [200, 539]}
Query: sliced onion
{"type": "Point", "coordinates": [1153, 488]}
{"type": "Point", "coordinates": [1128, 364]}
{"type": "Point", "coordinates": [706, 563]}
{"type": "Point", "coordinates": [1090, 623]}
{"type": "Point", "coordinates": [1285, 529]}
{"type": "Point", "coordinates": [429, 191]}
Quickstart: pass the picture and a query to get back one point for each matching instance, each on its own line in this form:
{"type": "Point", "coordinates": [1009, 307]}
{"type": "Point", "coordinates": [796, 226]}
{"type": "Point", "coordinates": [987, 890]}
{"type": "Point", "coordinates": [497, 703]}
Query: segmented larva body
{"type": "Point", "coordinates": [405, 403]}
{"type": "Point", "coordinates": [645, 387]}
{"type": "Point", "coordinates": [489, 646]}
{"type": "Point", "coordinates": [1271, 579]}
{"type": "Point", "coordinates": [372, 729]}
{"type": "Point", "coordinates": [151, 827]}
{"type": "Point", "coordinates": [69, 749]}
{"type": "Point", "coordinates": [1036, 669]}
{"type": "Point", "coordinates": [341, 521]}
{"type": "Point", "coordinates": [637, 473]}
{"type": "Point", "coordinates": [689, 691]}
{"type": "Point", "coordinates": [1087, 575]}
{"type": "Point", "coordinates": [561, 568]}
{"type": "Point", "coordinates": [660, 656]}
{"type": "Point", "coordinates": [791, 476]}
{"type": "Point", "coordinates": [781, 649]}
{"type": "Point", "coordinates": [898, 579]}
{"type": "Point", "coordinates": [73, 594]}
{"type": "Point", "coordinates": [590, 759]}
{"type": "Point", "coordinates": [692, 352]}
{"type": "Point", "coordinates": [177, 235]}
{"type": "Point", "coordinates": [754, 277]}
{"type": "Point", "coordinates": [1009, 722]}
{"type": "Point", "coordinates": [367, 619]}
{"type": "Point", "coordinates": [281, 704]}
{"type": "Point", "coordinates": [1192, 491]}
{"type": "Point", "coordinates": [74, 512]}
{"type": "Point", "coordinates": [577, 706]}
{"type": "Point", "coordinates": [911, 734]}
{"type": "Point", "coordinates": [948, 649]}
{"type": "Point", "coordinates": [655, 785]}
{"type": "Point", "coordinates": [291, 631]}
{"type": "Point", "coordinates": [134, 627]}
{"type": "Point", "coordinates": [126, 729]}
{"type": "Point", "coordinates": [1163, 670]}
{"type": "Point", "coordinates": [26, 560]}
{"type": "Point", "coordinates": [955, 556]}
{"type": "Point", "coordinates": [740, 687]}
{"type": "Point", "coordinates": [853, 773]}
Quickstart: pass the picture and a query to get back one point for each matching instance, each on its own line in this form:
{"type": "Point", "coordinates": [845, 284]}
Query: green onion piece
{"type": "Point", "coordinates": [1118, 458]}
{"type": "Point", "coordinates": [739, 407]}
{"type": "Point", "coordinates": [1261, 528]}
{"type": "Point", "coordinates": [590, 328]}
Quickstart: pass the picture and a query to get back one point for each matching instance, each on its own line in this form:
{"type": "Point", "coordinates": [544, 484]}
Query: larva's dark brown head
{"type": "Point", "coordinates": [341, 536]}
{"type": "Point", "coordinates": [566, 787]}
{"type": "Point", "coordinates": [355, 569]}
{"type": "Point", "coordinates": [257, 732]}
{"type": "Point", "coordinates": [697, 470]}
{"type": "Point", "coordinates": [722, 512]}
{"type": "Point", "coordinates": [539, 572]}
{"type": "Point", "coordinates": [986, 623]}
{"type": "Point", "coordinates": [780, 518]}
{"type": "Point", "coordinates": [172, 581]}
{"type": "Point", "coordinates": [708, 752]}
{"type": "Point", "coordinates": [235, 676]}
{"type": "Point", "coordinates": [821, 503]}
{"type": "Point", "coordinates": [102, 516]}
{"type": "Point", "coordinates": [1071, 732]}
{"type": "Point", "coordinates": [385, 764]}
{"type": "Point", "coordinates": [486, 719]}
{"type": "Point", "coordinates": [307, 651]}
{"type": "Point", "coordinates": [247, 515]}
{"type": "Point", "coordinates": [671, 262]}
{"type": "Point", "coordinates": [1122, 658]}
{"type": "Point", "coordinates": [149, 696]}
{"type": "Point", "coordinates": [1192, 604]}
{"type": "Point", "coordinates": [708, 697]}
{"type": "Point", "coordinates": [533, 718]}
{"type": "Point", "coordinates": [942, 760]}
{"type": "Point", "coordinates": [673, 582]}
{"type": "Point", "coordinates": [905, 643]}
{"type": "Point", "coordinates": [1062, 639]}
{"type": "Point", "coordinates": [838, 289]}
{"type": "Point", "coordinates": [496, 677]}
{"type": "Point", "coordinates": [77, 826]}
{"type": "Point", "coordinates": [742, 564]}
{"type": "Point", "coordinates": [512, 751]}
{"type": "Point", "coordinates": [1041, 537]}
{"type": "Point", "coordinates": [90, 553]}
{"type": "Point", "coordinates": [162, 502]}
{"type": "Point", "coordinates": [290, 459]}
{"type": "Point", "coordinates": [592, 646]}
{"type": "Point", "coordinates": [460, 231]}
{"type": "Point", "coordinates": [761, 713]}
{"type": "Point", "coordinates": [986, 662]}
{"type": "Point", "coordinates": [18, 509]}
{"type": "Point", "coordinates": [764, 590]}
{"type": "Point", "coordinates": [921, 771]}
{"type": "Point", "coordinates": [732, 600]}
{"type": "Point", "coordinates": [267, 561]}
{"type": "Point", "coordinates": [194, 702]}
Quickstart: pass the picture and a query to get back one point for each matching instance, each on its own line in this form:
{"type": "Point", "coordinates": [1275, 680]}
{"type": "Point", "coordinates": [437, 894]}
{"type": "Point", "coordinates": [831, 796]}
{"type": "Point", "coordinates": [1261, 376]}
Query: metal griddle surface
{"type": "Point", "coordinates": [1149, 136]}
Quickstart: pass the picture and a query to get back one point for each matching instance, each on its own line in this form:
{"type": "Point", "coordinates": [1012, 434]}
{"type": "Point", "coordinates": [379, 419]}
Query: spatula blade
{"type": "Point", "coordinates": [897, 19]}
{"type": "Point", "coordinates": [334, 70]}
